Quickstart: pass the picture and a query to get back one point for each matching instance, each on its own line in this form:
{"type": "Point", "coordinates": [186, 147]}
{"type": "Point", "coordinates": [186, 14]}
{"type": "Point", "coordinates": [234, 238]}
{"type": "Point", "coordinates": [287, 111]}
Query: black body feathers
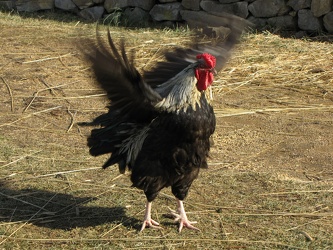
{"type": "Point", "coordinates": [158, 125]}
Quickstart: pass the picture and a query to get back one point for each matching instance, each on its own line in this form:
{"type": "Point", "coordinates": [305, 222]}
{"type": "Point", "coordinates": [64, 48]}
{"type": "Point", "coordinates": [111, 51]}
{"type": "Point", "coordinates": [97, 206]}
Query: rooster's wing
{"type": "Point", "coordinates": [179, 58]}
{"type": "Point", "coordinates": [129, 95]}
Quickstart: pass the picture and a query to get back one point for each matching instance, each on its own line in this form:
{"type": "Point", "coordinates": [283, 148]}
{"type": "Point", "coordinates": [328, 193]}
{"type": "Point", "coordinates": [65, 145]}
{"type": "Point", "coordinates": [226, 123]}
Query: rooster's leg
{"type": "Point", "coordinates": [148, 221]}
{"type": "Point", "coordinates": [182, 218]}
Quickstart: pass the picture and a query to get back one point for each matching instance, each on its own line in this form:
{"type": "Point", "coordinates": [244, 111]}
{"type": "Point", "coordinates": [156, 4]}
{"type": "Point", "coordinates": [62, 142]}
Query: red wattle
{"type": "Point", "coordinates": [204, 77]}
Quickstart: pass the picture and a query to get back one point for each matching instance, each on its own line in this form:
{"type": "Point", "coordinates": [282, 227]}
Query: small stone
{"type": "Point", "coordinates": [219, 210]}
{"type": "Point", "coordinates": [293, 13]}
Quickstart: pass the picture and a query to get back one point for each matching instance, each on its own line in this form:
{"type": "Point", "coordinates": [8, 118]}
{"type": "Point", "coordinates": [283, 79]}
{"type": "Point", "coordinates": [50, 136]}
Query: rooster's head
{"type": "Point", "coordinates": [204, 71]}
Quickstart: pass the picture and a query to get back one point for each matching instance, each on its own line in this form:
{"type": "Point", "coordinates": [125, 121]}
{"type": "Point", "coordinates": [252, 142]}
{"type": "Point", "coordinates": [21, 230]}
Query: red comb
{"type": "Point", "coordinates": [210, 60]}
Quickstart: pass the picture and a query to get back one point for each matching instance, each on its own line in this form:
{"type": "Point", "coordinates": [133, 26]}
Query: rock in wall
{"type": "Point", "coordinates": [295, 15]}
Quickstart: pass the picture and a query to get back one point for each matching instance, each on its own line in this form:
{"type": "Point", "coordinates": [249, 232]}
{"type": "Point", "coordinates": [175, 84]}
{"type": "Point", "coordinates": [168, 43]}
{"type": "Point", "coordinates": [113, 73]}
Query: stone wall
{"type": "Point", "coordinates": [296, 15]}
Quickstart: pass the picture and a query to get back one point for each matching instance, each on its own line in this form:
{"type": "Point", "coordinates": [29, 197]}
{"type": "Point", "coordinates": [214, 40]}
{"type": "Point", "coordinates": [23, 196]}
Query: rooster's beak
{"type": "Point", "coordinates": [213, 70]}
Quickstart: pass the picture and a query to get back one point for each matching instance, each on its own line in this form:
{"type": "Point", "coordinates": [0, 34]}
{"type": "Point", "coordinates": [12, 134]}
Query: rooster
{"type": "Point", "coordinates": [159, 123]}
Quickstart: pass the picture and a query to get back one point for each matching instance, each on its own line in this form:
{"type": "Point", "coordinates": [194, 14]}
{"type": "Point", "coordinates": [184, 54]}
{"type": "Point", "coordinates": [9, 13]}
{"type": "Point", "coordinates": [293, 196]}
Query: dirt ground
{"type": "Point", "coordinates": [270, 176]}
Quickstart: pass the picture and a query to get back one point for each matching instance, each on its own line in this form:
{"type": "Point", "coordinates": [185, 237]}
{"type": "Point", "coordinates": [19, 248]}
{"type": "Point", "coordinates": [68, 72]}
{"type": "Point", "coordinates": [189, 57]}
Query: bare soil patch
{"type": "Point", "coordinates": [270, 176]}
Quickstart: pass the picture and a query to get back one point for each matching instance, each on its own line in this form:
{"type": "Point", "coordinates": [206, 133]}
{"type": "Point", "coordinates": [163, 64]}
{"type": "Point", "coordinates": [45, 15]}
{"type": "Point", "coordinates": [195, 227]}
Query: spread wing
{"type": "Point", "coordinates": [129, 95]}
{"type": "Point", "coordinates": [180, 58]}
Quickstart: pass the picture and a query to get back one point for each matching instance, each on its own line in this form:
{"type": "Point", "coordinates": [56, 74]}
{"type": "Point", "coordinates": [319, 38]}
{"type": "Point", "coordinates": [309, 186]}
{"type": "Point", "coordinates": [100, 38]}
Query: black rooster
{"type": "Point", "coordinates": [159, 125]}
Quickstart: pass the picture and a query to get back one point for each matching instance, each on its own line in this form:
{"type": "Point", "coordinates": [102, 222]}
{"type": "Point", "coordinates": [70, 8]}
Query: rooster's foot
{"type": "Point", "coordinates": [148, 221]}
{"type": "Point", "coordinates": [182, 217]}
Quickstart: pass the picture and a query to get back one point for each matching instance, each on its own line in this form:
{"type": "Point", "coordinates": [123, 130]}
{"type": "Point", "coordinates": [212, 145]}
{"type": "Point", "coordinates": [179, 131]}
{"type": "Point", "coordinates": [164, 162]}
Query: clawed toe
{"type": "Point", "coordinates": [187, 224]}
{"type": "Point", "coordinates": [182, 218]}
{"type": "Point", "coordinates": [150, 223]}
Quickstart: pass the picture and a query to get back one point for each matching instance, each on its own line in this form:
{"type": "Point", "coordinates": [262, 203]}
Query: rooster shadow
{"type": "Point", "coordinates": [58, 210]}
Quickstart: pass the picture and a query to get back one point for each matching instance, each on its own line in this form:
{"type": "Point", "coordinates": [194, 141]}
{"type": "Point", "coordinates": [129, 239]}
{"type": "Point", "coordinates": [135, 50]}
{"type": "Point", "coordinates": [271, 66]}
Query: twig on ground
{"type": "Point", "coordinates": [299, 192]}
{"type": "Point", "coordinates": [48, 58]}
{"type": "Point", "coordinates": [42, 90]}
{"type": "Point", "coordinates": [72, 119]}
{"type": "Point", "coordinates": [220, 113]}
{"type": "Point", "coordinates": [10, 94]}
{"type": "Point", "coordinates": [66, 172]}
{"type": "Point", "coordinates": [32, 114]}
{"type": "Point", "coordinates": [47, 85]}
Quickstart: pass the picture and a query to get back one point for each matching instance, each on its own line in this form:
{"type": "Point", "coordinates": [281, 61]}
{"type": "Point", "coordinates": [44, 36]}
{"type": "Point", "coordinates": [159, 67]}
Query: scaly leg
{"type": "Point", "coordinates": [182, 218]}
{"type": "Point", "coordinates": [148, 221]}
